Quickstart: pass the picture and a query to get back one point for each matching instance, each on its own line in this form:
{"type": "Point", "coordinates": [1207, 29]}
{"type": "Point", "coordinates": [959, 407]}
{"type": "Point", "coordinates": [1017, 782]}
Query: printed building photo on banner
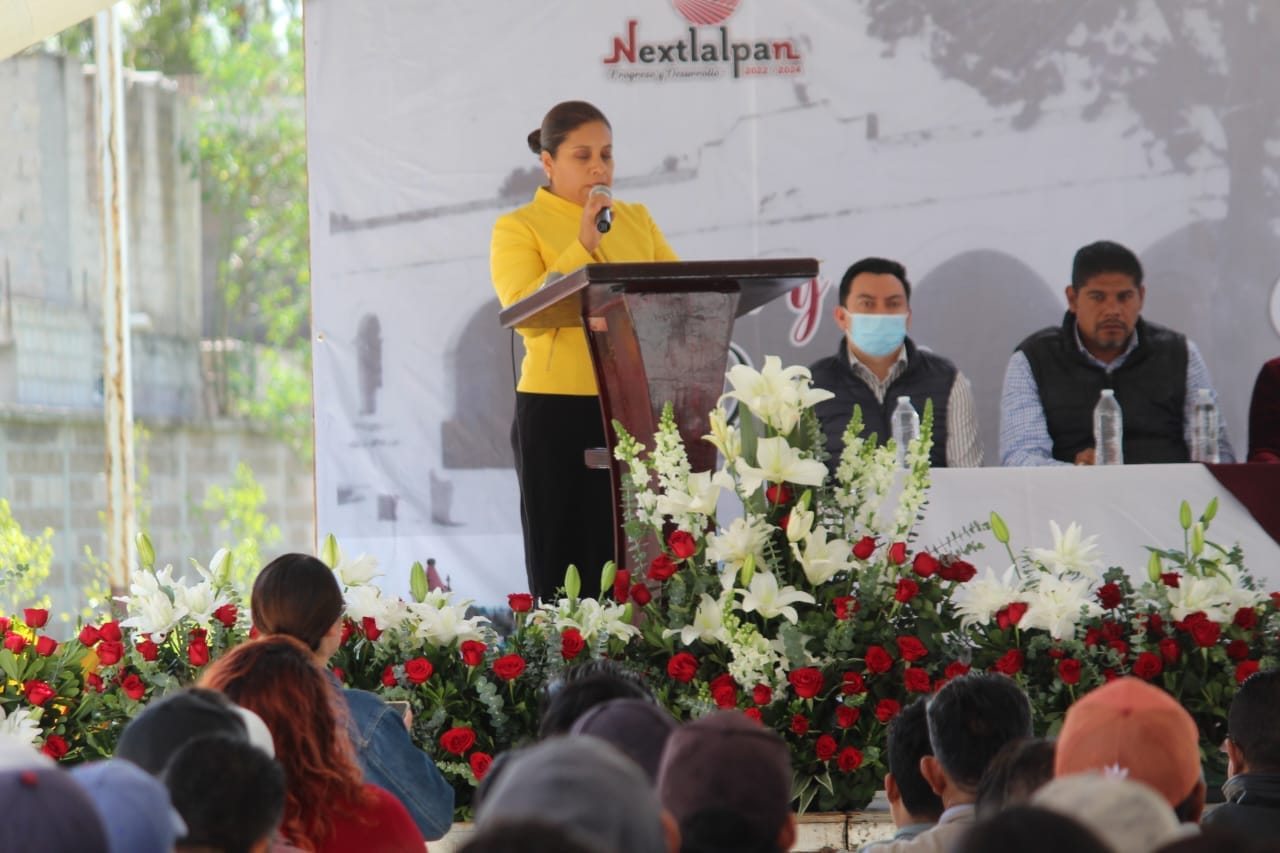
{"type": "Point", "coordinates": [833, 129]}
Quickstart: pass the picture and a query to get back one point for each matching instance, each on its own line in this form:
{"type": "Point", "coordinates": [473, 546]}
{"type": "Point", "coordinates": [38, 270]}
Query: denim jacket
{"type": "Point", "coordinates": [390, 760]}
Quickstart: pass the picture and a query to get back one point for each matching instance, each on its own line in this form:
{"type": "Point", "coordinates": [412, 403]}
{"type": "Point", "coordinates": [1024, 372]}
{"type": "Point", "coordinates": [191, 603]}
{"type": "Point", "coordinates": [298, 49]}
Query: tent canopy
{"type": "Point", "coordinates": [26, 22]}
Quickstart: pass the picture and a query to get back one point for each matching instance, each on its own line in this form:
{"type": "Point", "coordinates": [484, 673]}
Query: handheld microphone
{"type": "Point", "coordinates": [604, 219]}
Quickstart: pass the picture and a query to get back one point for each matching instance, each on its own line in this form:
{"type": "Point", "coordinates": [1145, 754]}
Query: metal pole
{"type": "Point", "coordinates": [117, 385]}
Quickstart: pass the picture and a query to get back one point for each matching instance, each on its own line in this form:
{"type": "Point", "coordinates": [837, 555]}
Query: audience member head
{"type": "Point", "coordinates": [166, 724]}
{"type": "Point", "coordinates": [1025, 827]}
{"type": "Point", "coordinates": [970, 720]}
{"type": "Point", "coordinates": [560, 121]}
{"type": "Point", "coordinates": [584, 787]}
{"type": "Point", "coordinates": [1136, 728]}
{"type": "Point", "coordinates": [1129, 816]}
{"type": "Point", "coordinates": [1019, 769]}
{"type": "Point", "coordinates": [238, 814]}
{"type": "Point", "coordinates": [910, 798]}
{"type": "Point", "coordinates": [45, 809]}
{"type": "Point", "coordinates": [133, 805]}
{"type": "Point", "coordinates": [1211, 840]}
{"type": "Point", "coordinates": [577, 689]}
{"type": "Point", "coordinates": [526, 836]}
{"type": "Point", "coordinates": [1101, 258]}
{"type": "Point", "coordinates": [1253, 745]}
{"type": "Point", "coordinates": [298, 595]}
{"type": "Point", "coordinates": [874, 266]}
{"type": "Point", "coordinates": [727, 781]}
{"type": "Point", "coordinates": [279, 679]}
{"type": "Point", "coordinates": [639, 729]}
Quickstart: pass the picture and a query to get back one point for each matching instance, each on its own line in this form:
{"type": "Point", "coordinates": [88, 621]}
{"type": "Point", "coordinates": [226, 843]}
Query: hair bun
{"type": "Point", "coordinates": [535, 140]}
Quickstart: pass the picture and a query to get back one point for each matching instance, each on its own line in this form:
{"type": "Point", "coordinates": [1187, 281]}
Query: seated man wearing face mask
{"type": "Point", "coordinates": [877, 363]}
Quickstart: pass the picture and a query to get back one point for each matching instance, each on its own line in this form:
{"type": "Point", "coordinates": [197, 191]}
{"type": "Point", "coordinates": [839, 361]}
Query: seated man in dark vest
{"type": "Point", "coordinates": [1056, 375]}
{"type": "Point", "coordinates": [877, 363]}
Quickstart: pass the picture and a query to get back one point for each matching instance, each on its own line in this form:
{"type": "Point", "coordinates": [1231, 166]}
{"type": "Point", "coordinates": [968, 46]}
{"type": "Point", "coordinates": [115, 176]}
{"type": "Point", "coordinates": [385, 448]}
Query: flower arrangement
{"type": "Point", "coordinates": [809, 613]}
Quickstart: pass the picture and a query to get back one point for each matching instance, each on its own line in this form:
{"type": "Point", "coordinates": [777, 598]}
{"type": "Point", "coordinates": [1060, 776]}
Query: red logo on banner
{"type": "Point", "coordinates": [704, 13]}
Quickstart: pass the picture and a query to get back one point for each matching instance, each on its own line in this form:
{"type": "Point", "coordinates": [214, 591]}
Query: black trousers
{"type": "Point", "coordinates": [566, 509]}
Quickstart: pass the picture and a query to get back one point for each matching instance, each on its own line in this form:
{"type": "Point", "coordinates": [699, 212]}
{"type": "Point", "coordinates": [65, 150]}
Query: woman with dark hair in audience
{"type": "Point", "coordinates": [1019, 769]}
{"type": "Point", "coordinates": [328, 808]}
{"type": "Point", "coordinates": [1030, 828]}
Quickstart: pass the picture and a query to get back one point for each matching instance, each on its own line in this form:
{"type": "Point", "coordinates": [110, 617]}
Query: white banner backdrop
{"type": "Point", "coordinates": [979, 147]}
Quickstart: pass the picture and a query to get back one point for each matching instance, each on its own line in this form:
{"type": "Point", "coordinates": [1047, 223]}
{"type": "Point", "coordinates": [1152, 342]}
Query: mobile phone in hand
{"type": "Point", "coordinates": [402, 709]}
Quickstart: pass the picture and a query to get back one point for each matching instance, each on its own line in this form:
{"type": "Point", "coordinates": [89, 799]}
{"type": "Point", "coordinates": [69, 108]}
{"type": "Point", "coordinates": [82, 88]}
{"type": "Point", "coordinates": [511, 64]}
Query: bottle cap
{"type": "Point", "coordinates": [1204, 395]}
{"type": "Point", "coordinates": [1108, 392]}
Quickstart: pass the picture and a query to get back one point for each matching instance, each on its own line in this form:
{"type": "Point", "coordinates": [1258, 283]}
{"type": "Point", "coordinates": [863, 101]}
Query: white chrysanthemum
{"type": "Point", "coordinates": [779, 462]}
{"type": "Point", "coordinates": [707, 624]}
{"type": "Point", "coordinates": [152, 606]}
{"type": "Point", "coordinates": [1057, 604]}
{"type": "Point", "coordinates": [744, 537]}
{"type": "Point", "coordinates": [22, 724]}
{"type": "Point", "coordinates": [765, 597]}
{"type": "Point", "coordinates": [822, 558]}
{"type": "Point", "coordinates": [357, 571]}
{"type": "Point", "coordinates": [443, 624]}
{"type": "Point", "coordinates": [1070, 553]}
{"type": "Point", "coordinates": [978, 600]}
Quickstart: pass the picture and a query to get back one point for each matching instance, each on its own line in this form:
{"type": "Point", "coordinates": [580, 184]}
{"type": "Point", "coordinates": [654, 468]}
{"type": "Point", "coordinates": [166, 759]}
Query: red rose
{"type": "Point", "coordinates": [640, 594]}
{"type": "Point", "coordinates": [520, 602]}
{"type": "Point", "coordinates": [1154, 623]}
{"type": "Point", "coordinates": [661, 568]}
{"type": "Point", "coordinates": [878, 660]}
{"type": "Point", "coordinates": [1110, 596]}
{"type": "Point", "coordinates": [621, 585]}
{"type": "Point", "coordinates": [887, 709]}
{"type": "Point", "coordinates": [253, 632]}
{"type": "Point", "coordinates": [1169, 650]}
{"type": "Point", "coordinates": [15, 642]}
{"type": "Point", "coordinates": [957, 570]}
{"type": "Point", "coordinates": [1147, 666]}
{"type": "Point", "coordinates": [198, 653]}
{"type": "Point", "coordinates": [911, 649]}
{"type": "Point", "coordinates": [682, 544]}
{"type": "Point", "coordinates": [754, 714]}
{"type": "Point", "coordinates": [46, 646]}
{"type": "Point", "coordinates": [1246, 618]}
{"type": "Point", "coordinates": [799, 725]}
{"type": "Point", "coordinates": [807, 682]}
{"type": "Point", "coordinates": [925, 565]}
{"type": "Point", "coordinates": [1244, 669]}
{"type": "Point", "coordinates": [778, 493]}
{"type": "Point", "coordinates": [54, 747]}
{"type": "Point", "coordinates": [1109, 675]}
{"type": "Point", "coordinates": [849, 759]}
{"type": "Point", "coordinates": [1069, 670]}
{"type": "Point", "coordinates": [1275, 600]}
{"type": "Point", "coordinates": [508, 667]}
{"type": "Point", "coordinates": [1170, 579]}
{"type": "Point", "coordinates": [826, 748]}
{"type": "Point", "coordinates": [458, 740]}
{"type": "Point", "coordinates": [1056, 653]}
{"type": "Point", "coordinates": [480, 763]}
{"type": "Point", "coordinates": [852, 682]}
{"type": "Point", "coordinates": [907, 590]}
{"type": "Point", "coordinates": [95, 681]}
{"type": "Point", "coordinates": [37, 691]}
{"type": "Point", "coordinates": [1112, 631]}
{"type": "Point", "coordinates": [762, 694]}
{"type": "Point", "coordinates": [1121, 648]}
{"type": "Point", "coordinates": [348, 628]}
{"type": "Point", "coordinates": [149, 650]}
{"type": "Point", "coordinates": [916, 680]}
{"type": "Point", "coordinates": [846, 606]}
{"type": "Point", "coordinates": [473, 652]}
{"type": "Point", "coordinates": [1092, 636]}
{"type": "Point", "coordinates": [339, 674]}
{"type": "Point", "coordinates": [846, 717]}
{"type": "Point", "coordinates": [1015, 611]}
{"type": "Point", "coordinates": [133, 687]}
{"type": "Point", "coordinates": [110, 632]}
{"type": "Point", "coordinates": [955, 669]}
{"type": "Point", "coordinates": [389, 676]}
{"type": "Point", "coordinates": [571, 643]}
{"type": "Point", "coordinates": [35, 617]}
{"type": "Point", "coordinates": [1237, 650]}
{"type": "Point", "coordinates": [724, 691]}
{"type": "Point", "coordinates": [418, 670]}
{"type": "Point", "coordinates": [865, 548]}
{"type": "Point", "coordinates": [89, 635]}
{"type": "Point", "coordinates": [898, 553]}
{"type": "Point", "coordinates": [227, 613]}
{"type": "Point", "coordinates": [110, 652]}
{"type": "Point", "coordinates": [1011, 663]}
{"type": "Point", "coordinates": [682, 667]}
{"type": "Point", "coordinates": [5, 624]}
{"type": "Point", "coordinates": [1205, 633]}
{"type": "Point", "coordinates": [200, 634]}
{"type": "Point", "coordinates": [371, 629]}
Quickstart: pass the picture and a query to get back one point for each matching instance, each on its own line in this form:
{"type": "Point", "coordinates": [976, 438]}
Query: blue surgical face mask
{"type": "Point", "coordinates": [877, 334]}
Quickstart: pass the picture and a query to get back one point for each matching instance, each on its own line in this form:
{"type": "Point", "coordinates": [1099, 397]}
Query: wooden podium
{"type": "Point", "coordinates": [658, 333]}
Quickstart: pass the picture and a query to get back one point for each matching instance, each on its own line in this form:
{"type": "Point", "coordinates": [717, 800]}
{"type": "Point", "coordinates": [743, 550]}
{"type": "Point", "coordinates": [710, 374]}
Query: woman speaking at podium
{"type": "Point", "coordinates": [566, 509]}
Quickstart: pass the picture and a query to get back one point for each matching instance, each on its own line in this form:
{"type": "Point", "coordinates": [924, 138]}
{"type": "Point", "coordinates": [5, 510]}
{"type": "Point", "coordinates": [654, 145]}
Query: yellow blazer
{"type": "Point", "coordinates": [541, 238]}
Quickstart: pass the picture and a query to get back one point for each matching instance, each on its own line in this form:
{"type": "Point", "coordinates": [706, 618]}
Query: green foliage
{"type": "Point", "coordinates": [24, 563]}
{"type": "Point", "coordinates": [240, 508]}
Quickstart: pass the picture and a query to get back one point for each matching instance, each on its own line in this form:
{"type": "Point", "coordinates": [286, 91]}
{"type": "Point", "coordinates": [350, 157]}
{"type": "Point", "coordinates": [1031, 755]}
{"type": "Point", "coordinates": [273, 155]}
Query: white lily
{"type": "Point", "coordinates": [367, 602]}
{"type": "Point", "coordinates": [703, 494]}
{"type": "Point", "coordinates": [151, 609]}
{"type": "Point", "coordinates": [978, 600]}
{"type": "Point", "coordinates": [799, 524]}
{"type": "Point", "coordinates": [357, 571]}
{"type": "Point", "coordinates": [444, 625]}
{"type": "Point", "coordinates": [22, 724]}
{"type": "Point", "coordinates": [822, 558]}
{"type": "Point", "coordinates": [744, 537]}
{"type": "Point", "coordinates": [726, 438]}
{"type": "Point", "coordinates": [199, 601]}
{"type": "Point", "coordinates": [1070, 553]}
{"type": "Point", "coordinates": [707, 624]}
{"type": "Point", "coordinates": [780, 463]}
{"type": "Point", "coordinates": [765, 597]}
{"type": "Point", "coordinates": [1214, 595]}
{"type": "Point", "coordinates": [1057, 604]}
{"type": "Point", "coordinates": [776, 394]}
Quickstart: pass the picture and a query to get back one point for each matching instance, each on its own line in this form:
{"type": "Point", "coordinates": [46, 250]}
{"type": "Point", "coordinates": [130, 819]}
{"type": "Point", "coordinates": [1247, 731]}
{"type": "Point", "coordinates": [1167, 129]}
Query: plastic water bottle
{"type": "Point", "coordinates": [1108, 430]}
{"type": "Point", "coordinates": [1204, 428]}
{"type": "Point", "coordinates": [906, 426]}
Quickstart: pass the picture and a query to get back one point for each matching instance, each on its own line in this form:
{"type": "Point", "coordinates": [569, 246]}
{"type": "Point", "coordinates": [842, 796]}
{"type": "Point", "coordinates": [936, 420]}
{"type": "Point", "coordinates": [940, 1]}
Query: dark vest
{"type": "Point", "coordinates": [927, 377]}
{"type": "Point", "coordinates": [1151, 387]}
